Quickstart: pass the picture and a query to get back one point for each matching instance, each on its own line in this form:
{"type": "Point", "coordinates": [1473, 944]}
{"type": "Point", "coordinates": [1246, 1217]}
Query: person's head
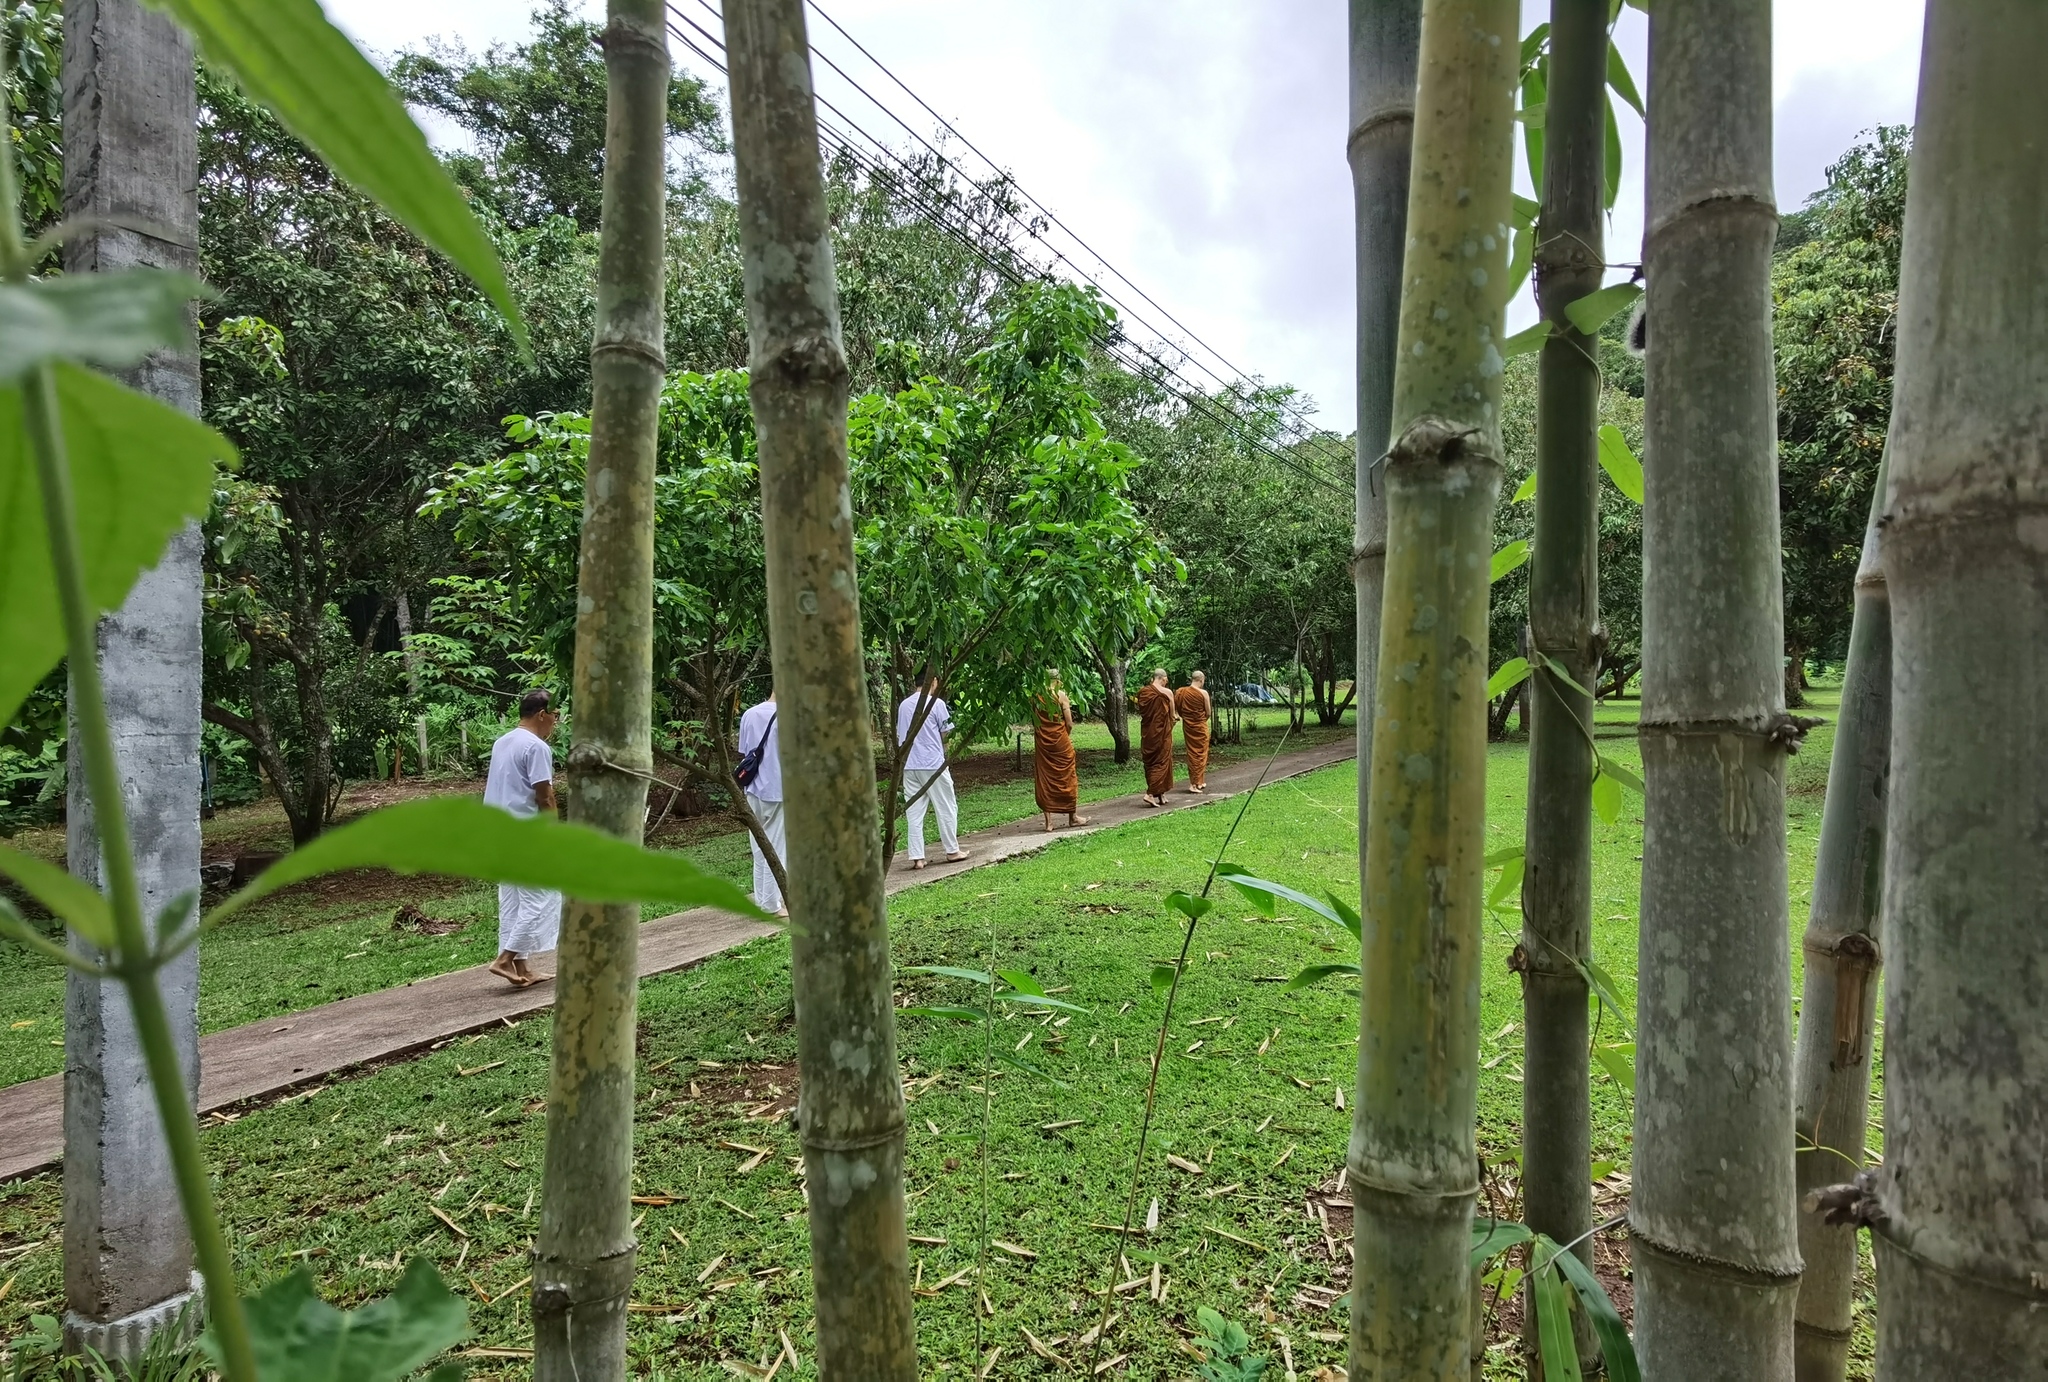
{"type": "Point", "coordinates": [1197, 679]}
{"type": "Point", "coordinates": [1159, 676]}
{"type": "Point", "coordinates": [537, 712]}
{"type": "Point", "coordinates": [1052, 677]}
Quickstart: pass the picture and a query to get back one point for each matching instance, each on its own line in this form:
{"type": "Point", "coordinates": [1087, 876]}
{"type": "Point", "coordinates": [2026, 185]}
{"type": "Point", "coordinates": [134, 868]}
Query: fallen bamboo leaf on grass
{"type": "Point", "coordinates": [1181, 1163]}
{"type": "Point", "coordinates": [928, 1241]}
{"type": "Point", "coordinates": [479, 1069]}
{"type": "Point", "coordinates": [1236, 1238]}
{"type": "Point", "coordinates": [1013, 1249]}
{"type": "Point", "coordinates": [713, 1265]}
{"type": "Point", "coordinates": [457, 1229]}
{"type": "Point", "coordinates": [1038, 1346]}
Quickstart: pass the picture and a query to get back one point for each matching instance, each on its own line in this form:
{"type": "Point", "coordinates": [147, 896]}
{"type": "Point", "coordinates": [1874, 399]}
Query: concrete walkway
{"type": "Point", "coordinates": [267, 1058]}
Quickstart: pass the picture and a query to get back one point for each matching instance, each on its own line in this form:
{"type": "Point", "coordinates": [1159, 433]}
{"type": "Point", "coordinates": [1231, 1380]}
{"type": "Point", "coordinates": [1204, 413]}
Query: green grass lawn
{"type": "Point", "coordinates": [344, 1180]}
{"type": "Point", "coordinates": [336, 937]}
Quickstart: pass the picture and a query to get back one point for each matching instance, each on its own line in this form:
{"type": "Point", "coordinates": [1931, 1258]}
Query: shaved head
{"type": "Point", "coordinates": [1198, 677]}
{"type": "Point", "coordinates": [1159, 674]}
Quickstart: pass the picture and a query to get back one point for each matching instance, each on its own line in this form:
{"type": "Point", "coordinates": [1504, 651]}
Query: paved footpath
{"type": "Point", "coordinates": [263, 1059]}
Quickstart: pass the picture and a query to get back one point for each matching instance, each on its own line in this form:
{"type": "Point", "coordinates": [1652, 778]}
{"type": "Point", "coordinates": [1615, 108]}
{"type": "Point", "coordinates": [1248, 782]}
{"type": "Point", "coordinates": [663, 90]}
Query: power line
{"type": "Point", "coordinates": [1195, 397]}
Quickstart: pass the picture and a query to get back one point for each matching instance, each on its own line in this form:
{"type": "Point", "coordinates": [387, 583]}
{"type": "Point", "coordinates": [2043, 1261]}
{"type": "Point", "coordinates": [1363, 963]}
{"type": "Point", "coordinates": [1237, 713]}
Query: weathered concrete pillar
{"type": "Point", "coordinates": [130, 151]}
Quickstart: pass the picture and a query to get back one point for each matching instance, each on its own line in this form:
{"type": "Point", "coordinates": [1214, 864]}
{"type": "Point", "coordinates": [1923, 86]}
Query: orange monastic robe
{"type": "Point", "coordinates": [1193, 704]}
{"type": "Point", "coordinates": [1052, 759]}
{"type": "Point", "coordinates": [1155, 740]}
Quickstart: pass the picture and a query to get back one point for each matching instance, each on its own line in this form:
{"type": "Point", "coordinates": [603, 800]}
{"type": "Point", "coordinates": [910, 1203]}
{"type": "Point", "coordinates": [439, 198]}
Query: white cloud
{"type": "Point", "coordinates": [1199, 146]}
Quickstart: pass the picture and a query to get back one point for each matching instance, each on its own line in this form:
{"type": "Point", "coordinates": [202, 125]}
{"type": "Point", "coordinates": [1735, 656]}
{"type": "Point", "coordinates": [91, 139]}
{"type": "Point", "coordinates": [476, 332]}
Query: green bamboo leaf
{"type": "Point", "coordinates": [111, 320]}
{"type": "Point", "coordinates": [1620, 463]}
{"type": "Point", "coordinates": [1592, 311]}
{"type": "Point", "coordinates": [1526, 211]}
{"type": "Point", "coordinates": [1615, 1347]}
{"type": "Point", "coordinates": [1535, 43]}
{"type": "Point", "coordinates": [1521, 343]}
{"type": "Point", "coordinates": [1619, 1061]}
{"type": "Point", "coordinates": [1602, 983]}
{"type": "Point", "coordinates": [297, 1335]}
{"type": "Point", "coordinates": [953, 1014]}
{"type": "Point", "coordinates": [1606, 798]}
{"type": "Point", "coordinates": [1553, 1301]}
{"type": "Point", "coordinates": [1535, 92]}
{"type": "Point", "coordinates": [1612, 154]}
{"type": "Point", "coordinates": [1532, 115]}
{"type": "Point", "coordinates": [140, 470]}
{"type": "Point", "coordinates": [1263, 895]}
{"type": "Point", "coordinates": [1501, 856]}
{"type": "Point", "coordinates": [1492, 1237]}
{"type": "Point", "coordinates": [287, 55]}
{"type": "Point", "coordinates": [83, 908]}
{"type": "Point", "coordinates": [1037, 1001]}
{"type": "Point", "coordinates": [1527, 489]}
{"type": "Point", "coordinates": [1618, 77]}
{"type": "Point", "coordinates": [1012, 1058]}
{"type": "Point", "coordinates": [463, 838]}
{"type": "Point", "coordinates": [1315, 974]}
{"type": "Point", "coordinates": [1188, 905]}
{"type": "Point", "coordinates": [1507, 677]}
{"type": "Point", "coordinates": [1353, 922]}
{"type": "Point", "coordinates": [1550, 665]}
{"type": "Point", "coordinates": [1162, 977]}
{"type": "Point", "coordinates": [1620, 773]}
{"type": "Point", "coordinates": [972, 976]}
{"type": "Point", "coordinates": [1509, 880]}
{"type": "Point", "coordinates": [1510, 557]}
{"type": "Point", "coordinates": [1021, 982]}
{"type": "Point", "coordinates": [1520, 261]}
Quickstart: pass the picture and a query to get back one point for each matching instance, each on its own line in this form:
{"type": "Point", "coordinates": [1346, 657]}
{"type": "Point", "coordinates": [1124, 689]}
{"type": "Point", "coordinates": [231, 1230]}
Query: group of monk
{"type": "Point", "coordinates": [1160, 707]}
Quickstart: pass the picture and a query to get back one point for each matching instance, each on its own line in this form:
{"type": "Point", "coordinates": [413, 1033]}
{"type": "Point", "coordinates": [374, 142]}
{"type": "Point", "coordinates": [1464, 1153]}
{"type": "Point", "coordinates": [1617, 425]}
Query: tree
{"type": "Point", "coordinates": [584, 1252]}
{"type": "Point", "coordinates": [1835, 292]}
{"type": "Point", "coordinates": [1960, 1209]}
{"type": "Point", "coordinates": [850, 1118]}
{"type": "Point", "coordinates": [1716, 1259]}
{"type": "Point", "coordinates": [1413, 1161]}
{"type": "Point", "coordinates": [1838, 1010]}
{"type": "Point", "coordinates": [537, 112]}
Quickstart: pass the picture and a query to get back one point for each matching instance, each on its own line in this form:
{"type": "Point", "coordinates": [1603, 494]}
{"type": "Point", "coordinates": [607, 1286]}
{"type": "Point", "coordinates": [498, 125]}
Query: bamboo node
{"type": "Point", "coordinates": [1432, 440]}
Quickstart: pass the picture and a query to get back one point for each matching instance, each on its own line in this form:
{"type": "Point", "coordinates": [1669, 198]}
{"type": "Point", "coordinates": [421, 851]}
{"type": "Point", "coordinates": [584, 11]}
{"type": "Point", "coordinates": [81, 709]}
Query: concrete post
{"type": "Point", "coordinates": [130, 151]}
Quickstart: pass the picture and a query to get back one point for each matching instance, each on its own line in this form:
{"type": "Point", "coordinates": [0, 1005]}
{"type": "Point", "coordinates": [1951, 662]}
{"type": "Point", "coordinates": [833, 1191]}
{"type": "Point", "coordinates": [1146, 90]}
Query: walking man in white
{"type": "Point", "coordinates": [761, 780]}
{"type": "Point", "coordinates": [927, 781]}
{"type": "Point", "coordinates": [522, 782]}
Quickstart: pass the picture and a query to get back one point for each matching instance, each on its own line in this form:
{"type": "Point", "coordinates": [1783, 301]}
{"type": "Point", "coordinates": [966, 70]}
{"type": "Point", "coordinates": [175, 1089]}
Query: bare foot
{"type": "Point", "coordinates": [1048, 822]}
{"type": "Point", "coordinates": [782, 911]}
{"type": "Point", "coordinates": [1150, 800]}
{"type": "Point", "coordinates": [917, 863]}
{"type": "Point", "coordinates": [1073, 819]}
{"type": "Point", "coordinates": [512, 971]}
{"type": "Point", "coordinates": [957, 855]}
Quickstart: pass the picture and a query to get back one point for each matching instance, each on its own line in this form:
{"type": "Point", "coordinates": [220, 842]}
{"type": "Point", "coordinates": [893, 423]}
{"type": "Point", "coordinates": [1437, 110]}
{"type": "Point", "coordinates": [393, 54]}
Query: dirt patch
{"type": "Point", "coordinates": [410, 918]}
{"type": "Point", "coordinates": [762, 1091]}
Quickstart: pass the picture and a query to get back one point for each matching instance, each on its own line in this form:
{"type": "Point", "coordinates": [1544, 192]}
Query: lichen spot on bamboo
{"type": "Point", "coordinates": [845, 1177]}
{"type": "Point", "coordinates": [795, 64]}
{"type": "Point", "coordinates": [856, 1056]}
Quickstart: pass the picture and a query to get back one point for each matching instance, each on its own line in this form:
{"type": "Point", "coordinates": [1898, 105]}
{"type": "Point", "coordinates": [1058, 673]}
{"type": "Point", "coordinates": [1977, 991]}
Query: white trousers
{"type": "Point", "coordinates": [529, 919]}
{"type": "Point", "coordinates": [767, 896]}
{"type": "Point", "coordinates": [940, 799]}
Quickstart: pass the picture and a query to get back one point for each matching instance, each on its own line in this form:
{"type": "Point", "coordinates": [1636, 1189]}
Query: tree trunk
{"type": "Point", "coordinates": [1962, 1244]}
{"type": "Point", "coordinates": [583, 1256]}
{"type": "Point", "coordinates": [1413, 1163]}
{"type": "Point", "coordinates": [1564, 614]}
{"type": "Point", "coordinates": [1831, 1060]}
{"type": "Point", "coordinates": [1795, 677]}
{"type": "Point", "coordinates": [1116, 704]}
{"type": "Point", "coordinates": [412, 676]}
{"type": "Point", "coordinates": [1716, 1256]}
{"type": "Point", "coordinates": [851, 1115]}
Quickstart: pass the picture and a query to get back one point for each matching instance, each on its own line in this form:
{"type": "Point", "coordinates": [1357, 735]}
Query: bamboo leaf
{"type": "Point", "coordinates": [1510, 879]}
{"type": "Point", "coordinates": [1526, 211]}
{"type": "Point", "coordinates": [1535, 43]}
{"type": "Point", "coordinates": [1553, 1301]}
{"type": "Point", "coordinates": [1520, 260]}
{"type": "Point", "coordinates": [1615, 1347]}
{"type": "Point", "coordinates": [287, 55]}
{"type": "Point", "coordinates": [1263, 893]}
{"type": "Point", "coordinates": [1535, 92]}
{"type": "Point", "coordinates": [140, 470]}
{"type": "Point", "coordinates": [1620, 773]}
{"type": "Point", "coordinates": [1550, 665]}
{"type": "Point", "coordinates": [1315, 974]}
{"type": "Point", "coordinates": [1492, 1237]}
{"type": "Point", "coordinates": [1162, 977]}
{"type": "Point", "coordinates": [1592, 311]}
{"type": "Point", "coordinates": [1619, 78]}
{"type": "Point", "coordinates": [1532, 115]}
{"type": "Point", "coordinates": [1611, 154]}
{"type": "Point", "coordinates": [1188, 905]}
{"type": "Point", "coordinates": [972, 976]}
{"type": "Point", "coordinates": [1619, 1061]}
{"type": "Point", "coordinates": [1038, 1001]}
{"type": "Point", "coordinates": [1606, 798]}
{"type": "Point", "coordinates": [1021, 982]}
{"type": "Point", "coordinates": [1353, 922]}
{"type": "Point", "coordinates": [463, 838]}
{"type": "Point", "coordinates": [1507, 677]}
{"type": "Point", "coordinates": [1510, 557]}
{"type": "Point", "coordinates": [83, 908]}
{"type": "Point", "coordinates": [1602, 983]}
{"type": "Point", "coordinates": [110, 320]}
{"type": "Point", "coordinates": [1527, 489]}
{"type": "Point", "coordinates": [1501, 856]}
{"type": "Point", "coordinates": [1620, 463]}
{"type": "Point", "coordinates": [1521, 343]}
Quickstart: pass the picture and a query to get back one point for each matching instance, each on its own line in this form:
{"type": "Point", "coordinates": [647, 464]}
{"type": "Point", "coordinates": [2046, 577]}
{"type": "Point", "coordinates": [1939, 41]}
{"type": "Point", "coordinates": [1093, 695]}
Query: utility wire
{"type": "Point", "coordinates": [926, 200]}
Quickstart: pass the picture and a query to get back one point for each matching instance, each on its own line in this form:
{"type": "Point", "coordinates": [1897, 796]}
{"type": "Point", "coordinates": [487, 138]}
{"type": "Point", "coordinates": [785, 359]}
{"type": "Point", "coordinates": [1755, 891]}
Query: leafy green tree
{"type": "Point", "coordinates": [1835, 285]}
{"type": "Point", "coordinates": [33, 34]}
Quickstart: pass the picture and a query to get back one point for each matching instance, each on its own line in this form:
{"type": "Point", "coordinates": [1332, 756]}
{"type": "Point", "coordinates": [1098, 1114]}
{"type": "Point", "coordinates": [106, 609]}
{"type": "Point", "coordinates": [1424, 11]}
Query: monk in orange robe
{"type": "Point", "coordinates": [1191, 703]}
{"type": "Point", "coordinates": [1058, 786]}
{"type": "Point", "coordinates": [1155, 737]}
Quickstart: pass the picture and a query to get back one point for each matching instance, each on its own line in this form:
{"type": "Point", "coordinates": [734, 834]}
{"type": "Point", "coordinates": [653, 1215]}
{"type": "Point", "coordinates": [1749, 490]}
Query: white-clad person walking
{"type": "Point", "coordinates": [760, 777]}
{"type": "Point", "coordinates": [927, 781]}
{"type": "Point", "coordinates": [522, 782]}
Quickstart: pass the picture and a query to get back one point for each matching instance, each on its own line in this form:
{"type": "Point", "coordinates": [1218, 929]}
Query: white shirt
{"type": "Point", "coordinates": [520, 761]}
{"type": "Point", "coordinates": [753, 728]}
{"type": "Point", "coordinates": [930, 749]}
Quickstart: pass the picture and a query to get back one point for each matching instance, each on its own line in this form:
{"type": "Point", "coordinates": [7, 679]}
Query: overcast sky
{"type": "Point", "coordinates": [1199, 145]}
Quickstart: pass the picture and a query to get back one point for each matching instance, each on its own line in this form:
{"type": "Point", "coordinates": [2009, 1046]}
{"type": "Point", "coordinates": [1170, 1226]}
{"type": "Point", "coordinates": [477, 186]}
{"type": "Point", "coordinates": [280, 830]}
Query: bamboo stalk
{"type": "Point", "coordinates": [851, 1115]}
{"type": "Point", "coordinates": [585, 1250]}
{"type": "Point", "coordinates": [1962, 1206]}
{"type": "Point", "coordinates": [1716, 1257]}
{"type": "Point", "coordinates": [1837, 1014]}
{"type": "Point", "coordinates": [1564, 626]}
{"type": "Point", "coordinates": [1413, 1167]}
